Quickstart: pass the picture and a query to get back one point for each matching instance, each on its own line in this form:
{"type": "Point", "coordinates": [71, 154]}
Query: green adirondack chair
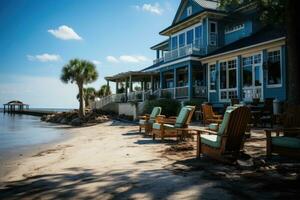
{"type": "Point", "coordinates": [162, 129]}
{"type": "Point", "coordinates": [147, 120]}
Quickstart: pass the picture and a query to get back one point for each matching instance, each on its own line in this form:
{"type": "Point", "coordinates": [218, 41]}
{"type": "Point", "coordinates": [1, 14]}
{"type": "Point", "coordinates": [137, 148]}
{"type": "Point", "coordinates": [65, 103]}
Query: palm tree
{"type": "Point", "coordinates": [104, 91]}
{"type": "Point", "coordinates": [81, 72]}
{"type": "Point", "coordinates": [88, 94]}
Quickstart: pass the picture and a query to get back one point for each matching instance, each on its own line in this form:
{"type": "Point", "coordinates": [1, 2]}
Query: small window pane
{"type": "Point", "coordinates": [274, 74]}
{"type": "Point", "coordinates": [174, 43]}
{"type": "Point", "coordinates": [247, 76]}
{"type": "Point", "coordinates": [257, 74]}
{"type": "Point", "coordinates": [223, 80]}
{"type": "Point", "coordinates": [213, 28]}
{"type": "Point", "coordinates": [182, 40]}
{"type": "Point", "coordinates": [232, 78]}
{"type": "Point", "coordinates": [190, 36]}
{"type": "Point", "coordinates": [212, 74]}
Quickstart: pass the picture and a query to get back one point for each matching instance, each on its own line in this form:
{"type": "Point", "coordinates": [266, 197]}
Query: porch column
{"type": "Point", "coordinates": [161, 77]}
{"type": "Point", "coordinates": [142, 85]}
{"type": "Point", "coordinates": [130, 83]}
{"type": "Point", "coordinates": [126, 89]}
{"type": "Point", "coordinates": [190, 81]}
{"type": "Point", "coordinates": [117, 87]}
{"type": "Point", "coordinates": [239, 75]}
{"type": "Point", "coordinates": [152, 83]}
{"type": "Point", "coordinates": [175, 82]}
{"type": "Point", "coordinates": [157, 54]}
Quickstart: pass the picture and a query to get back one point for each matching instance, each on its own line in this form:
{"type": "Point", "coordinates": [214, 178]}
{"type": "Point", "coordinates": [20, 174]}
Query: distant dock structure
{"type": "Point", "coordinates": [15, 106]}
{"type": "Point", "coordinates": [18, 107]}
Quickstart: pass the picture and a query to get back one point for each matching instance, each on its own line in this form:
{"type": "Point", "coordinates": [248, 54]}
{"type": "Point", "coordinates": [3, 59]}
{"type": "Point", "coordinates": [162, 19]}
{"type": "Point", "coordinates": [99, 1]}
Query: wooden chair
{"type": "Point", "coordinates": [147, 120]}
{"type": "Point", "coordinates": [209, 116]}
{"type": "Point", "coordinates": [286, 141]}
{"type": "Point", "coordinates": [163, 126]}
{"type": "Point", "coordinates": [267, 116]}
{"type": "Point", "coordinates": [227, 142]}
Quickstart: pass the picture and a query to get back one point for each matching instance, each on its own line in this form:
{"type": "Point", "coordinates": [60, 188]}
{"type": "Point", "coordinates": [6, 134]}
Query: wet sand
{"type": "Point", "coordinates": [113, 161]}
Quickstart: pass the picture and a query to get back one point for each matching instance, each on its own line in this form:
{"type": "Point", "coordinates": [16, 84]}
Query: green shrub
{"type": "Point", "coordinates": [170, 107]}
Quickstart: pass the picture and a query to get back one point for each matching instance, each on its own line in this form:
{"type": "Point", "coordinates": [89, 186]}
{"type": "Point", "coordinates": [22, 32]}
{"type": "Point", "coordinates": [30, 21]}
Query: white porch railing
{"type": "Point", "coordinates": [182, 92]}
{"type": "Point", "coordinates": [250, 93]}
{"type": "Point", "coordinates": [200, 91]}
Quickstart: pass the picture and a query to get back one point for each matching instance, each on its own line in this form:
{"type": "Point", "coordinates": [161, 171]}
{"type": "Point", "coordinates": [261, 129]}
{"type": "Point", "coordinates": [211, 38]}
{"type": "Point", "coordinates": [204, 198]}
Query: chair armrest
{"type": "Point", "coordinates": [160, 118]}
{"type": "Point", "coordinates": [209, 131]}
{"type": "Point", "coordinates": [295, 130]}
{"type": "Point", "coordinates": [218, 116]}
{"type": "Point", "coordinates": [145, 117]}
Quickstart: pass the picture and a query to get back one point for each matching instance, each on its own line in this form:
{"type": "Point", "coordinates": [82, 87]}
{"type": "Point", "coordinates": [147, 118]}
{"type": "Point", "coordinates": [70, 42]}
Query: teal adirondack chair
{"type": "Point", "coordinates": [228, 139]}
{"type": "Point", "coordinates": [147, 120]}
{"type": "Point", "coordinates": [162, 129]}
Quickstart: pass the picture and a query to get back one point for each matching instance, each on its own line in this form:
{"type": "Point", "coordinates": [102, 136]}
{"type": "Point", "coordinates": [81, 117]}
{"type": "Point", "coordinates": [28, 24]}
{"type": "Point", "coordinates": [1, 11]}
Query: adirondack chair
{"type": "Point", "coordinates": [226, 143]}
{"type": "Point", "coordinates": [147, 120]}
{"type": "Point", "coordinates": [209, 116]}
{"type": "Point", "coordinates": [286, 142]}
{"type": "Point", "coordinates": [161, 128]}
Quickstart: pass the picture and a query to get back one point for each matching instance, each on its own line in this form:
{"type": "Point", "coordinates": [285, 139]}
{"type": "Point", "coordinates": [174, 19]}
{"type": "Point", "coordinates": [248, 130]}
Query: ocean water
{"type": "Point", "coordinates": [18, 132]}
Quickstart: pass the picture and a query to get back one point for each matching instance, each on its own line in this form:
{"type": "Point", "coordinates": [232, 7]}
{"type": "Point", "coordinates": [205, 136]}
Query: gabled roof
{"type": "Point", "coordinates": [205, 4]}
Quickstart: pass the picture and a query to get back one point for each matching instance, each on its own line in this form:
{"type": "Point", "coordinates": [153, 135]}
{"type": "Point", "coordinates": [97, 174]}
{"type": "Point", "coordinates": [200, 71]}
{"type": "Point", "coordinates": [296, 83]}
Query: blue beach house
{"type": "Point", "coordinates": [214, 54]}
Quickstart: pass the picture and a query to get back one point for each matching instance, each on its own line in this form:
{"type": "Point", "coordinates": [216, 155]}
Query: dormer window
{"type": "Point", "coordinates": [189, 11]}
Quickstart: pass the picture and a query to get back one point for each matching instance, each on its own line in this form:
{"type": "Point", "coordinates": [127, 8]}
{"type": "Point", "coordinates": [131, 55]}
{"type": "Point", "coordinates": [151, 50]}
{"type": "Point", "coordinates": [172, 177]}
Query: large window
{"type": "Point", "coordinates": [274, 68]}
{"type": "Point", "coordinates": [198, 35]}
{"type": "Point", "coordinates": [212, 77]}
{"type": "Point", "coordinates": [213, 33]}
{"type": "Point", "coordinates": [228, 79]}
{"type": "Point", "coordinates": [174, 43]}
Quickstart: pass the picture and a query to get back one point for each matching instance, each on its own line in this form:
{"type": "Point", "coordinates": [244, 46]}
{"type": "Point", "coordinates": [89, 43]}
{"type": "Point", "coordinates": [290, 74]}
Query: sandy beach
{"type": "Point", "coordinates": [113, 161]}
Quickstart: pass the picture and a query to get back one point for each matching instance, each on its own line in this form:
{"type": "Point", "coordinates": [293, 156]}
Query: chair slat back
{"type": "Point", "coordinates": [189, 119]}
{"type": "Point", "coordinates": [235, 131]}
{"type": "Point", "coordinates": [207, 111]}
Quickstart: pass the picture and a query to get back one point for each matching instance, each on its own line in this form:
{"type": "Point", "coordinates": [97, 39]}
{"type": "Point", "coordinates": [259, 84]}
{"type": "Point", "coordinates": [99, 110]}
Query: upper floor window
{"type": "Point", "coordinates": [174, 43]}
{"type": "Point", "coordinates": [189, 11]}
{"type": "Point", "coordinates": [212, 77]}
{"type": "Point", "coordinates": [234, 28]}
{"type": "Point", "coordinates": [274, 68]}
{"type": "Point", "coordinates": [190, 36]}
{"type": "Point", "coordinates": [198, 35]}
{"type": "Point", "coordinates": [181, 39]}
{"type": "Point", "coordinates": [213, 33]}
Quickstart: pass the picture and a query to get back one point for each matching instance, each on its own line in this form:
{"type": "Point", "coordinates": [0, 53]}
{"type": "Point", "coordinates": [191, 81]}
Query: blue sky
{"type": "Point", "coordinates": [38, 37]}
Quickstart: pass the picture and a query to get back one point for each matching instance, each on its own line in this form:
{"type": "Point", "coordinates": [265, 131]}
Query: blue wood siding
{"type": "Point", "coordinates": [236, 35]}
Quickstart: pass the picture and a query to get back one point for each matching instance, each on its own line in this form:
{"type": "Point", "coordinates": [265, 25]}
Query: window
{"type": "Point", "coordinates": [174, 43]}
{"type": "Point", "coordinates": [247, 72]}
{"type": "Point", "coordinates": [189, 11]}
{"type": "Point", "coordinates": [198, 35]}
{"type": "Point", "coordinates": [230, 29]}
{"type": "Point", "coordinates": [190, 37]}
{"type": "Point", "coordinates": [213, 33]}
{"type": "Point", "coordinates": [182, 40]}
{"type": "Point", "coordinates": [274, 69]}
{"type": "Point", "coordinates": [213, 27]}
{"type": "Point", "coordinates": [212, 77]}
{"type": "Point", "coordinates": [228, 79]}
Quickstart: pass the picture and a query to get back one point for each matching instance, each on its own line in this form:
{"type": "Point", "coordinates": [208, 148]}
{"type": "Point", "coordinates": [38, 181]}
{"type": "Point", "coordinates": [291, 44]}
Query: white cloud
{"type": "Point", "coordinates": [96, 62]}
{"type": "Point", "coordinates": [45, 57]}
{"type": "Point", "coordinates": [152, 8]}
{"type": "Point", "coordinates": [65, 33]}
{"type": "Point", "coordinates": [127, 59]}
{"type": "Point", "coordinates": [112, 59]}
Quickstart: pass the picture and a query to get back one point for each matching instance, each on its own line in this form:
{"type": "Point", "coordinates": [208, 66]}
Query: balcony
{"type": "Point", "coordinates": [195, 48]}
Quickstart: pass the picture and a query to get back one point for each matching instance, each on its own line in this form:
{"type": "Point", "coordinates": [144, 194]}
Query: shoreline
{"type": "Point", "coordinates": [16, 155]}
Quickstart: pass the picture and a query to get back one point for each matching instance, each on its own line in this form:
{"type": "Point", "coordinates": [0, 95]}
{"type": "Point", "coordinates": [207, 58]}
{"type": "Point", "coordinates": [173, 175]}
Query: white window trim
{"type": "Point", "coordinates": [261, 75]}
{"type": "Point", "coordinates": [189, 11]}
{"type": "Point", "coordinates": [235, 28]}
{"type": "Point", "coordinates": [281, 66]}
{"type": "Point", "coordinates": [185, 33]}
{"type": "Point", "coordinates": [209, 32]}
{"type": "Point", "coordinates": [227, 77]}
{"type": "Point", "coordinates": [208, 77]}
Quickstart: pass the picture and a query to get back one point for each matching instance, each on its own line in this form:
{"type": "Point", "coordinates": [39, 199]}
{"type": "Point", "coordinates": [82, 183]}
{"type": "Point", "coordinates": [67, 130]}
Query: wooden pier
{"type": "Point", "coordinates": [18, 107]}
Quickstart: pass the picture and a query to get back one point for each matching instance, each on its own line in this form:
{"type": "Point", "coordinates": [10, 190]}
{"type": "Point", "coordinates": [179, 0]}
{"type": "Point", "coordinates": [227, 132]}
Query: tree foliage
{"type": "Point", "coordinates": [80, 72]}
